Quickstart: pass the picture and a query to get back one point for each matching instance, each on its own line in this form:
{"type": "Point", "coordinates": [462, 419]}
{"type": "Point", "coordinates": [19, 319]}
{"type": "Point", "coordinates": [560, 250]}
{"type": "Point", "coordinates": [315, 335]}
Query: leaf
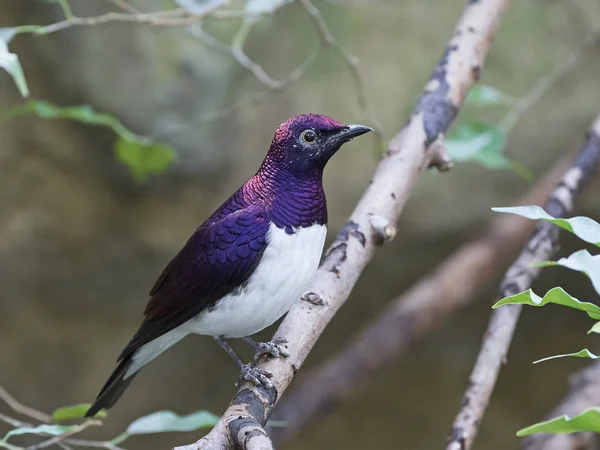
{"type": "Point", "coordinates": [583, 227]}
{"type": "Point", "coordinates": [484, 144]}
{"type": "Point", "coordinates": [53, 430]}
{"type": "Point", "coordinates": [595, 328]}
{"type": "Point", "coordinates": [589, 420]}
{"type": "Point", "coordinates": [73, 412]}
{"type": "Point", "coordinates": [165, 421]}
{"type": "Point", "coordinates": [582, 261]}
{"type": "Point", "coordinates": [485, 95]}
{"type": "Point", "coordinates": [198, 6]}
{"type": "Point", "coordinates": [143, 159]}
{"type": "Point", "coordinates": [258, 7]}
{"type": "Point", "coordinates": [555, 295]}
{"type": "Point", "coordinates": [585, 353]}
{"type": "Point", "coordinates": [139, 154]}
{"type": "Point", "coordinates": [10, 62]}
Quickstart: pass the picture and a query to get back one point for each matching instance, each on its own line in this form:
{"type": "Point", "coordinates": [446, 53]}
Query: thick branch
{"type": "Point", "coordinates": [518, 278]}
{"type": "Point", "coordinates": [407, 156]}
{"type": "Point", "coordinates": [584, 392]}
{"type": "Point", "coordinates": [410, 316]}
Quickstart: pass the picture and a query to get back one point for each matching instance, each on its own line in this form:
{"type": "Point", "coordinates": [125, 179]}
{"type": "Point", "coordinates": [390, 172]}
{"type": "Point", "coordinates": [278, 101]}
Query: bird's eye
{"type": "Point", "coordinates": [308, 136]}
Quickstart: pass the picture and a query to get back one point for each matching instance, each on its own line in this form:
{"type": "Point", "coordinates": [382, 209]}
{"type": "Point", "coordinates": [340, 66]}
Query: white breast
{"type": "Point", "coordinates": [286, 268]}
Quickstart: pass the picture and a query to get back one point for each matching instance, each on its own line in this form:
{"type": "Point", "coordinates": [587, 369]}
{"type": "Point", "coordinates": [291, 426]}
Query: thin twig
{"type": "Point", "coordinates": [497, 338]}
{"type": "Point", "coordinates": [22, 409]}
{"type": "Point", "coordinates": [159, 19]}
{"type": "Point", "coordinates": [64, 4]}
{"type": "Point", "coordinates": [122, 4]}
{"type": "Point", "coordinates": [407, 156]}
{"type": "Point", "coordinates": [237, 50]}
{"type": "Point", "coordinates": [57, 439]}
{"type": "Point", "coordinates": [584, 392]}
{"type": "Point", "coordinates": [13, 422]}
{"type": "Point", "coordinates": [96, 444]}
{"type": "Point", "coordinates": [409, 317]}
{"type": "Point", "coordinates": [351, 61]}
{"type": "Point", "coordinates": [292, 78]}
{"type": "Point", "coordinates": [522, 105]}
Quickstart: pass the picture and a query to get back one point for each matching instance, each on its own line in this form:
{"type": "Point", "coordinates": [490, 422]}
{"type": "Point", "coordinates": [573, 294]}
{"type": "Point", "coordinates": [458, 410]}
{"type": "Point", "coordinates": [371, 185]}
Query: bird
{"type": "Point", "coordinates": [246, 265]}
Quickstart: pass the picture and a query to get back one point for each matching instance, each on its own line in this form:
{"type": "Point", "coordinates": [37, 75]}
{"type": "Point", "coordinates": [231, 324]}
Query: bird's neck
{"type": "Point", "coordinates": [293, 200]}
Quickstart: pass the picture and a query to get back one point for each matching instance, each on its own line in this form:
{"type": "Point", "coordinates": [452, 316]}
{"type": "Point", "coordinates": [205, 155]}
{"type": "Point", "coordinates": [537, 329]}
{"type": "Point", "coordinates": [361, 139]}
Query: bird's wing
{"type": "Point", "coordinates": [217, 259]}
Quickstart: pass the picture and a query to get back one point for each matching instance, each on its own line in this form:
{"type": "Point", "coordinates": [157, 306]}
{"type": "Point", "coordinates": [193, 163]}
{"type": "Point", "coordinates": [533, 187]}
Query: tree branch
{"type": "Point", "coordinates": [22, 409]}
{"type": "Point", "coordinates": [518, 278]}
{"type": "Point", "coordinates": [410, 316]}
{"type": "Point", "coordinates": [172, 18]}
{"type": "Point", "coordinates": [584, 392]}
{"type": "Point", "coordinates": [408, 154]}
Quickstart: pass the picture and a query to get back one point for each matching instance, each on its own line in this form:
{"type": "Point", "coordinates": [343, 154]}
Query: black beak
{"type": "Point", "coordinates": [338, 139]}
{"type": "Point", "coordinates": [351, 131]}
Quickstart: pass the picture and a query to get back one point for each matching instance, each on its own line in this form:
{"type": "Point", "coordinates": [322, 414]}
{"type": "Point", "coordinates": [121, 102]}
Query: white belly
{"type": "Point", "coordinates": [286, 268]}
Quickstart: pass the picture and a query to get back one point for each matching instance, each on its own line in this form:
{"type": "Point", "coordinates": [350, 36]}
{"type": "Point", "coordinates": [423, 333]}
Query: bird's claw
{"type": "Point", "coordinates": [256, 376]}
{"type": "Point", "coordinates": [276, 349]}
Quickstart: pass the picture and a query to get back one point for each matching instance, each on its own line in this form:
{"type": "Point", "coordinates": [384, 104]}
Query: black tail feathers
{"type": "Point", "coordinates": [113, 388]}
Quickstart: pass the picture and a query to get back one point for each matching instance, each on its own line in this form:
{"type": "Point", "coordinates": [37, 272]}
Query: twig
{"type": "Point", "coordinates": [412, 315]}
{"type": "Point", "coordinates": [122, 4]}
{"type": "Point", "coordinates": [22, 409]}
{"type": "Point", "coordinates": [96, 444]}
{"type": "Point", "coordinates": [584, 392]}
{"type": "Point", "coordinates": [408, 154]}
{"type": "Point", "coordinates": [60, 438]}
{"type": "Point", "coordinates": [13, 422]}
{"type": "Point", "coordinates": [351, 61]}
{"type": "Point", "coordinates": [160, 18]}
{"type": "Point", "coordinates": [518, 278]}
{"type": "Point", "coordinates": [292, 78]}
{"type": "Point", "coordinates": [237, 50]}
{"type": "Point", "coordinates": [522, 105]}
{"type": "Point", "coordinates": [64, 4]}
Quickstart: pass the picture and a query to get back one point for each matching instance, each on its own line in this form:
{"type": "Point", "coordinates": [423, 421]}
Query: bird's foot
{"type": "Point", "coordinates": [276, 349]}
{"type": "Point", "coordinates": [256, 376]}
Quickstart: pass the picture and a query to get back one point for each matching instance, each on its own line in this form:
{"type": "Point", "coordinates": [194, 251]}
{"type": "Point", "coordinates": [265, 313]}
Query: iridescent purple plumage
{"type": "Point", "coordinates": [223, 273]}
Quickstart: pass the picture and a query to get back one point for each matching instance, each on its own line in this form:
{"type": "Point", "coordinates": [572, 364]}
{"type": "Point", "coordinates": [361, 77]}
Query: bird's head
{"type": "Point", "coordinates": [306, 142]}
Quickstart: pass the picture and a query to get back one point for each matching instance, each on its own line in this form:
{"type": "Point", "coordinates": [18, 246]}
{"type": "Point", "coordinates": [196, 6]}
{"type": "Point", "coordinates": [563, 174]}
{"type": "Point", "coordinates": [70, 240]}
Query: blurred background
{"type": "Point", "coordinates": [82, 241]}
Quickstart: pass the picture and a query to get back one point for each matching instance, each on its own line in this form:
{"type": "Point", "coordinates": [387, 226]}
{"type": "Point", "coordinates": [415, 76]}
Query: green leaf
{"type": "Point", "coordinates": [583, 227]}
{"type": "Point", "coordinates": [555, 295]}
{"type": "Point", "coordinates": [53, 430]}
{"type": "Point", "coordinates": [73, 412]}
{"type": "Point", "coordinates": [595, 328]}
{"type": "Point", "coordinates": [143, 159]}
{"type": "Point", "coordinates": [589, 420]}
{"type": "Point", "coordinates": [165, 421]}
{"type": "Point", "coordinates": [585, 353]}
{"type": "Point", "coordinates": [581, 261]}
{"type": "Point", "coordinates": [142, 156]}
{"type": "Point", "coordinates": [484, 144]}
{"type": "Point", "coordinates": [258, 7]}
{"type": "Point", "coordinates": [484, 95]}
{"type": "Point", "coordinates": [10, 62]}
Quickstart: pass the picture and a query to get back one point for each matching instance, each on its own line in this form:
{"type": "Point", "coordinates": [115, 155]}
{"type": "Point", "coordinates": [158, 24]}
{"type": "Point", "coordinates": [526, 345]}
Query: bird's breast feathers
{"type": "Point", "coordinates": [287, 266]}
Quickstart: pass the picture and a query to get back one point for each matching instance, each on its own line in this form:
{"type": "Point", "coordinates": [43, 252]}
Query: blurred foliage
{"type": "Point", "coordinates": [140, 154]}
{"type": "Point", "coordinates": [484, 143]}
{"type": "Point", "coordinates": [10, 62]}
{"type": "Point", "coordinates": [158, 422]}
{"type": "Point", "coordinates": [589, 231]}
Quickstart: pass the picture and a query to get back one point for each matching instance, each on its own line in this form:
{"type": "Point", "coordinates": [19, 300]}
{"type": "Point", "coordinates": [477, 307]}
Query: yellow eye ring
{"type": "Point", "coordinates": [308, 136]}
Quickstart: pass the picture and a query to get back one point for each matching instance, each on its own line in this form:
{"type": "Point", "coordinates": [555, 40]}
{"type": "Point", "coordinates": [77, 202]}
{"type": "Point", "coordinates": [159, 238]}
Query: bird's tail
{"type": "Point", "coordinates": [114, 387]}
